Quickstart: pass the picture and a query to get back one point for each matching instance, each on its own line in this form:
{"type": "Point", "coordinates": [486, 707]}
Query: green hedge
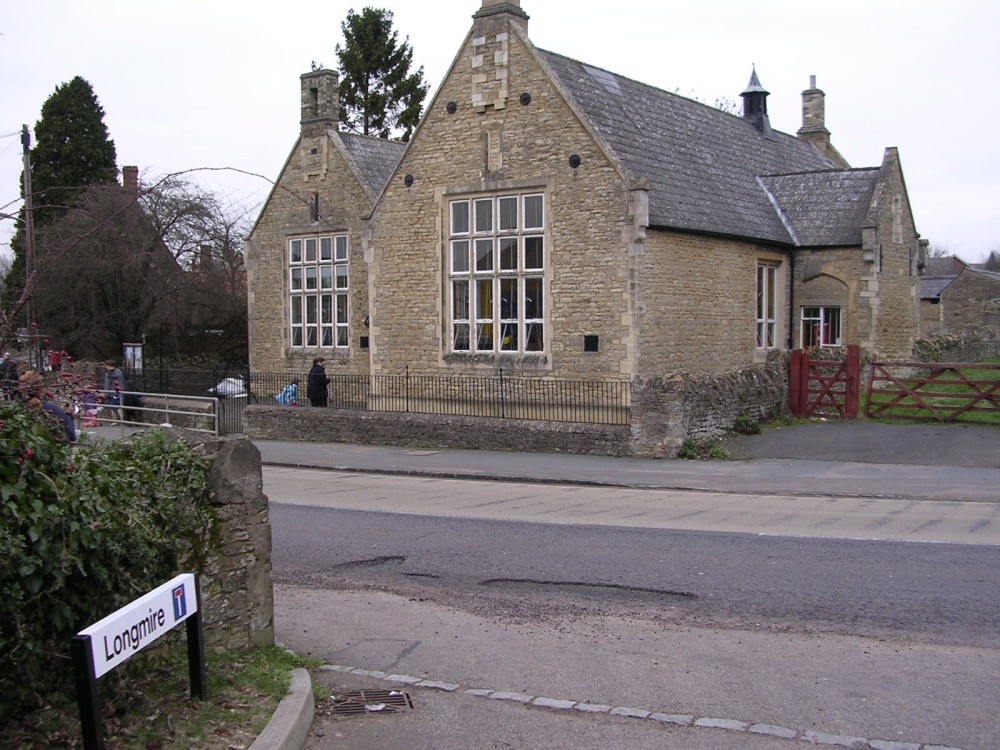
{"type": "Point", "coordinates": [83, 531]}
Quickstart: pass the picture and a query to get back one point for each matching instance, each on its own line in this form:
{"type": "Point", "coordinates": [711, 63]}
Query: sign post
{"type": "Point", "coordinates": [112, 641]}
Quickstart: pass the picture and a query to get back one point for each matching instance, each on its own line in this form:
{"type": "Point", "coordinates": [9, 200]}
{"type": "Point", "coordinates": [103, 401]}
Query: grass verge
{"type": "Point", "coordinates": [148, 705]}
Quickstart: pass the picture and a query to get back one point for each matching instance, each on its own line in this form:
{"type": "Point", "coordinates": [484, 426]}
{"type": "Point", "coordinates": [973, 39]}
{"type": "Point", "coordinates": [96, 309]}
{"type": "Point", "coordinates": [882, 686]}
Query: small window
{"type": "Point", "coordinates": [820, 327]}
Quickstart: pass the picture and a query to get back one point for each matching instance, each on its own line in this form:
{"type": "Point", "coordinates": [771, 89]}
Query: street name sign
{"type": "Point", "coordinates": [110, 642]}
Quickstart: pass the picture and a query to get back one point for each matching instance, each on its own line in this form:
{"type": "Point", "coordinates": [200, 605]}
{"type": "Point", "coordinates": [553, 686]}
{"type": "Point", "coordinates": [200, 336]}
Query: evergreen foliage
{"type": "Point", "coordinates": [72, 150]}
{"type": "Point", "coordinates": [83, 532]}
{"type": "Point", "coordinates": [378, 94]}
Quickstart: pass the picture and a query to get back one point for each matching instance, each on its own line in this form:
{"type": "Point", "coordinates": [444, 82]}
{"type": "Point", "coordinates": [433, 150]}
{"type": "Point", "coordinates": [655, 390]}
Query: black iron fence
{"type": "Point", "coordinates": [500, 396]}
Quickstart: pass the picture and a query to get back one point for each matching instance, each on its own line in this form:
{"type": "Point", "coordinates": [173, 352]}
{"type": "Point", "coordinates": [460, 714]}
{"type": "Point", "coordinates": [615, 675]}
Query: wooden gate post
{"type": "Point", "coordinates": [852, 397]}
{"type": "Point", "coordinates": [797, 368]}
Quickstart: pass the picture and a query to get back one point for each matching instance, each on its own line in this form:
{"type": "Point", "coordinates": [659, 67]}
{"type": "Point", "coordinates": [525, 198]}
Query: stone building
{"type": "Point", "coordinates": [971, 301]}
{"type": "Point", "coordinates": [557, 220]}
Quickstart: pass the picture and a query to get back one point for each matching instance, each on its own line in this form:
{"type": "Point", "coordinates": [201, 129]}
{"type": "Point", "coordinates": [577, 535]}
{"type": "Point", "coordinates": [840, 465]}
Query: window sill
{"type": "Point", "coordinates": [533, 361]}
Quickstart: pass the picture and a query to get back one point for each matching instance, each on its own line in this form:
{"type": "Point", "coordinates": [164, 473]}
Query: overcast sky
{"type": "Point", "coordinates": [215, 83]}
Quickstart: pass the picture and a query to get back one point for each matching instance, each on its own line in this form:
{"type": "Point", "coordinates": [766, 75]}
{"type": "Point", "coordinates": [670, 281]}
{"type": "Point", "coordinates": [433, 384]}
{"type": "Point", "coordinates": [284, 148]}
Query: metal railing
{"type": "Point", "coordinates": [138, 409]}
{"type": "Point", "coordinates": [501, 396]}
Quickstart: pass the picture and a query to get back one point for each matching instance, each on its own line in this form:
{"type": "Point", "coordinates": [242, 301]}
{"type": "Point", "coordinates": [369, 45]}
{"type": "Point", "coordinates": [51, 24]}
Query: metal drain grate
{"type": "Point", "coordinates": [371, 702]}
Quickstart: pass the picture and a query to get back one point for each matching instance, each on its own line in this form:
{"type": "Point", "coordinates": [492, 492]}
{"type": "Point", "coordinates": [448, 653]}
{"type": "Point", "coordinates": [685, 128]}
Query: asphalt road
{"type": "Point", "coordinates": [824, 636]}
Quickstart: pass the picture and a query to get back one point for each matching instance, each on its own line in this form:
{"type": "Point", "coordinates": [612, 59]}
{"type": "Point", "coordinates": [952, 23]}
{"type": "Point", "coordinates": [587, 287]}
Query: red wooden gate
{"type": "Point", "coordinates": [829, 388]}
{"type": "Point", "coordinates": [945, 391]}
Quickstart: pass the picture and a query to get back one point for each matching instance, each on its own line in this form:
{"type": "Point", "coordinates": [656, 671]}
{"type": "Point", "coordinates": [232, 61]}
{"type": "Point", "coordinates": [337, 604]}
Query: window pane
{"type": "Point", "coordinates": [326, 277]}
{"type": "Point", "coordinates": [460, 338]}
{"type": "Point", "coordinates": [311, 336]}
{"type": "Point", "coordinates": [460, 300]}
{"type": "Point", "coordinates": [508, 299]}
{"type": "Point", "coordinates": [295, 251]}
{"type": "Point", "coordinates": [534, 309]}
{"type": "Point", "coordinates": [326, 248]}
{"type": "Point", "coordinates": [832, 329]}
{"type": "Point", "coordinates": [484, 298]}
{"type": "Point", "coordinates": [484, 337]}
{"type": "Point", "coordinates": [772, 276]}
{"type": "Point", "coordinates": [484, 215]}
{"type": "Point", "coordinates": [460, 217]}
{"type": "Point", "coordinates": [534, 254]}
{"type": "Point", "coordinates": [508, 213]}
{"type": "Point", "coordinates": [296, 337]}
{"type": "Point", "coordinates": [341, 309]}
{"type": "Point", "coordinates": [341, 277]}
{"type": "Point", "coordinates": [326, 309]}
{"type": "Point", "coordinates": [310, 250]}
{"type": "Point", "coordinates": [311, 309]}
{"type": "Point", "coordinates": [327, 336]}
{"type": "Point", "coordinates": [341, 248]}
{"type": "Point", "coordinates": [310, 277]}
{"type": "Point", "coordinates": [460, 256]}
{"type": "Point", "coordinates": [533, 337]}
{"type": "Point", "coordinates": [508, 253]}
{"type": "Point", "coordinates": [342, 336]}
{"type": "Point", "coordinates": [508, 337]}
{"type": "Point", "coordinates": [484, 255]}
{"type": "Point", "coordinates": [296, 310]}
{"type": "Point", "coordinates": [533, 212]}
{"type": "Point", "coordinates": [296, 280]}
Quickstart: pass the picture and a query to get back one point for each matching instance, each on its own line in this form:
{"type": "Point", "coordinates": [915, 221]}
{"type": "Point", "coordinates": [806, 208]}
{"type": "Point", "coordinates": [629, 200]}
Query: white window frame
{"type": "Point", "coordinates": [318, 292]}
{"type": "Point", "coordinates": [767, 305]}
{"type": "Point", "coordinates": [496, 258]}
{"type": "Point", "coordinates": [827, 321]}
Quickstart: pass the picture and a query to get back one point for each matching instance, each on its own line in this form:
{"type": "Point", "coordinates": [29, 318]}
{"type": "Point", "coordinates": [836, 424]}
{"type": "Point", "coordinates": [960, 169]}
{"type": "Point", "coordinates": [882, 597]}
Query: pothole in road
{"type": "Point", "coordinates": [373, 562]}
{"type": "Point", "coordinates": [585, 588]}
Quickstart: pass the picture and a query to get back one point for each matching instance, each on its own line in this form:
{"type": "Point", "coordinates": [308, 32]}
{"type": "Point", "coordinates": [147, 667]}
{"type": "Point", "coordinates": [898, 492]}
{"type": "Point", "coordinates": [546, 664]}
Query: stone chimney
{"type": "Point", "coordinates": [814, 124]}
{"type": "Point", "coordinates": [755, 105]}
{"type": "Point", "coordinates": [492, 27]}
{"type": "Point", "coordinates": [511, 9]}
{"type": "Point", "coordinates": [130, 180]}
{"type": "Point", "coordinates": [320, 98]}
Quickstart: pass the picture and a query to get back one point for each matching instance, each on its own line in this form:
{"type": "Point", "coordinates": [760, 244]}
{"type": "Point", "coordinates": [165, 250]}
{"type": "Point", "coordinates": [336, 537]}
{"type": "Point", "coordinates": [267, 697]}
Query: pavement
{"type": "Point", "coordinates": [956, 464]}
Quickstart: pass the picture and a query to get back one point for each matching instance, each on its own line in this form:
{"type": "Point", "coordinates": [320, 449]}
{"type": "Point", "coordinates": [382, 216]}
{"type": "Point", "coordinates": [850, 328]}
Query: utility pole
{"type": "Point", "coordinates": [29, 248]}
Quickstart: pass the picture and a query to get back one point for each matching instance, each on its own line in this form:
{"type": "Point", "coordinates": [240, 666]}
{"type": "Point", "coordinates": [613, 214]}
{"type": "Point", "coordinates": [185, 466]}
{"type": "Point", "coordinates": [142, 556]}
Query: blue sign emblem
{"type": "Point", "coordinates": [180, 603]}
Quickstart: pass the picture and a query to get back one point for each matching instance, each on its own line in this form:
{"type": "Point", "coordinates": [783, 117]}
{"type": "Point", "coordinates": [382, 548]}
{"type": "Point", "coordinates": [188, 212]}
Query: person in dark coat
{"type": "Point", "coordinates": [316, 384]}
{"type": "Point", "coordinates": [32, 387]}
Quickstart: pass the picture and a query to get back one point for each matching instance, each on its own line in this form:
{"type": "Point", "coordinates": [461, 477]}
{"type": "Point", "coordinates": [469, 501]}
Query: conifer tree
{"type": "Point", "coordinates": [378, 94]}
{"type": "Point", "coordinates": [71, 152]}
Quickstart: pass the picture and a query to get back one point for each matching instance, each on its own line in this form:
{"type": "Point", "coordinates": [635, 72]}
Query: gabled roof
{"type": "Point", "coordinates": [824, 208]}
{"type": "Point", "coordinates": [374, 159]}
{"type": "Point", "coordinates": [945, 265]}
{"type": "Point", "coordinates": [701, 163]}
{"type": "Point", "coordinates": [932, 286]}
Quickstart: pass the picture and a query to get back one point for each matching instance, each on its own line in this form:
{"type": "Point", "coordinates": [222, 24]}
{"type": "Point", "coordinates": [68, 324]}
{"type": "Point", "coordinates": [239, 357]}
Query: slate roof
{"type": "Point", "coordinates": [703, 164]}
{"type": "Point", "coordinates": [932, 286]}
{"type": "Point", "coordinates": [945, 265]}
{"type": "Point", "coordinates": [824, 208]}
{"type": "Point", "coordinates": [374, 158]}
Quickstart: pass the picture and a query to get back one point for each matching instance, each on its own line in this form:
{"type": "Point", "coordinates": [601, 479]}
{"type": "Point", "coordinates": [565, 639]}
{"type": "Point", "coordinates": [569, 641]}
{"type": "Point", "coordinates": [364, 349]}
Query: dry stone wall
{"type": "Point", "coordinates": [237, 595]}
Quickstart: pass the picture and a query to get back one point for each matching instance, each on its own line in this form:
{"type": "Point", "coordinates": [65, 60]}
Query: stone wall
{"type": "Point", "coordinates": [237, 596]}
{"type": "Point", "coordinates": [433, 431]}
{"type": "Point", "coordinates": [972, 301]}
{"type": "Point", "coordinates": [969, 346]}
{"type": "Point", "coordinates": [665, 412]}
